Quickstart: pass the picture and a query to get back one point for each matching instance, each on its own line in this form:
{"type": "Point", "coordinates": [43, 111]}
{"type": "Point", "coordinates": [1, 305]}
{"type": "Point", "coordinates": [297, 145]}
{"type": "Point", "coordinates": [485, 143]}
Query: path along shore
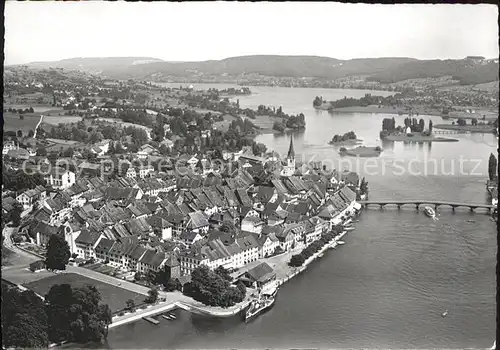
{"type": "Point", "coordinates": [186, 303]}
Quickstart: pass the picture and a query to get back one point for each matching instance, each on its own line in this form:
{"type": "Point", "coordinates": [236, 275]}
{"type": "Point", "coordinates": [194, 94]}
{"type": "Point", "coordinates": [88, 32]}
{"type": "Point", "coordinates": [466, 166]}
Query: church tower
{"type": "Point", "coordinates": [289, 170]}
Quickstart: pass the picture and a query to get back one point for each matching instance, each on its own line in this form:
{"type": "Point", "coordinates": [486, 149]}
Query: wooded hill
{"type": "Point", "coordinates": [384, 70]}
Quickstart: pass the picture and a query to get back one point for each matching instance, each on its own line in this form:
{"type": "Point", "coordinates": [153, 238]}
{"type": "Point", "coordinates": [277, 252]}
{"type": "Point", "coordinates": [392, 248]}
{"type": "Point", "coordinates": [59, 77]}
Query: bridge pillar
{"type": "Point", "coordinates": [453, 208]}
{"type": "Point", "coordinates": [399, 206]}
{"type": "Point", "coordinates": [417, 205]}
{"type": "Point", "coordinates": [381, 206]}
{"type": "Point", "coordinates": [472, 209]}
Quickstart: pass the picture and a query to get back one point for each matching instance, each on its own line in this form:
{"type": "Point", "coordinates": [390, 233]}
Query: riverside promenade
{"type": "Point", "coordinates": [177, 300]}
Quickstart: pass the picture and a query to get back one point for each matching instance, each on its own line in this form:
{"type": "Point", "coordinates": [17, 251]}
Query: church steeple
{"type": "Point", "coordinates": [291, 152]}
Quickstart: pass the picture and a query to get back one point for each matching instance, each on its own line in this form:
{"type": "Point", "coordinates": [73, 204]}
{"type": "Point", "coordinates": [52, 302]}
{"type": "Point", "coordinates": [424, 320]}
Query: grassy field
{"type": "Point", "coordinates": [115, 297]}
{"type": "Point", "coordinates": [12, 122]}
{"type": "Point", "coordinates": [65, 119]}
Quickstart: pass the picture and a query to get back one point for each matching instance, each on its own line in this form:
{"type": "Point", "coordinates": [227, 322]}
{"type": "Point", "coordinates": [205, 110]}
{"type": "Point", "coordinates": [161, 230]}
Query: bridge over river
{"type": "Point", "coordinates": [418, 202]}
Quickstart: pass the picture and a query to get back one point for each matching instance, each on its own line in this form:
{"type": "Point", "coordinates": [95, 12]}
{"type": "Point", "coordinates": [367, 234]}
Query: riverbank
{"type": "Point", "coordinates": [484, 129]}
{"type": "Point", "coordinates": [362, 151]}
{"type": "Point", "coordinates": [178, 300]}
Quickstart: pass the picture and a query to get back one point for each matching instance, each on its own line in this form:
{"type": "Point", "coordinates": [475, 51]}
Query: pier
{"type": "Point", "coordinates": [151, 320]}
{"type": "Point", "coordinates": [418, 202]}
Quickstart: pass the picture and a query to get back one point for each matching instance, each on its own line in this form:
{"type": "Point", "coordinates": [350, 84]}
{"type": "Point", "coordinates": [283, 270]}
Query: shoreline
{"type": "Point", "coordinates": [154, 310]}
{"type": "Point", "coordinates": [404, 138]}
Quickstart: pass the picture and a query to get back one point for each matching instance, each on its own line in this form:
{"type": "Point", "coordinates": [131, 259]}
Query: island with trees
{"type": "Point", "coordinates": [411, 131]}
{"type": "Point", "coordinates": [393, 104]}
{"type": "Point", "coordinates": [361, 151]}
{"type": "Point", "coordinates": [475, 126]}
{"type": "Point", "coordinates": [348, 138]}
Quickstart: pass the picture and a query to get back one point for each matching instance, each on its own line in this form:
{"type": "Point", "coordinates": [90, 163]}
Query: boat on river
{"type": "Point", "coordinates": [349, 228]}
{"type": "Point", "coordinates": [444, 314]}
{"type": "Point", "coordinates": [340, 242]}
{"type": "Point", "coordinates": [262, 303]}
{"type": "Point", "coordinates": [429, 212]}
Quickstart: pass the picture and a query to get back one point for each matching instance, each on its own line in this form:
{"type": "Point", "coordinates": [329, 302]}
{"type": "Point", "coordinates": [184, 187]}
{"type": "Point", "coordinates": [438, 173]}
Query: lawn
{"type": "Point", "coordinates": [114, 296]}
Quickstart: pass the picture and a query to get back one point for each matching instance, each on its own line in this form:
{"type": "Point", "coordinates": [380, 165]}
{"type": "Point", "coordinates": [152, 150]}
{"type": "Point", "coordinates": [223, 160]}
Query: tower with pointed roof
{"type": "Point", "coordinates": [289, 169]}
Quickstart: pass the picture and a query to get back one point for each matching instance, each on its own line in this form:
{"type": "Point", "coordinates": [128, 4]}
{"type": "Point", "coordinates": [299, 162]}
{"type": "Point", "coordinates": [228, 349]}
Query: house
{"type": "Point", "coordinates": [86, 243]}
{"type": "Point", "coordinates": [252, 224]}
{"type": "Point", "coordinates": [8, 204]}
{"type": "Point", "coordinates": [259, 276]}
{"type": "Point", "coordinates": [60, 178]}
{"type": "Point", "coordinates": [190, 237]}
{"type": "Point", "coordinates": [197, 222]}
{"type": "Point", "coordinates": [267, 245]}
{"type": "Point", "coordinates": [131, 173]}
{"type": "Point", "coordinates": [8, 146]}
{"type": "Point", "coordinates": [144, 170]}
{"type": "Point", "coordinates": [151, 261]}
{"type": "Point", "coordinates": [286, 239]}
{"type": "Point", "coordinates": [18, 154]}
{"type": "Point", "coordinates": [30, 197]}
{"type": "Point", "coordinates": [89, 169]}
{"type": "Point", "coordinates": [161, 227]}
{"type": "Point", "coordinates": [191, 259]}
{"type": "Point", "coordinates": [249, 249]}
{"type": "Point", "coordinates": [134, 256]}
{"type": "Point", "coordinates": [39, 232]}
{"type": "Point", "coordinates": [103, 248]}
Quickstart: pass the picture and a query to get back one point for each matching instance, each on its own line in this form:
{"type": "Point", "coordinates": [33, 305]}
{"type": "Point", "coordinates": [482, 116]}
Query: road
{"type": "Point", "coordinates": [22, 258]}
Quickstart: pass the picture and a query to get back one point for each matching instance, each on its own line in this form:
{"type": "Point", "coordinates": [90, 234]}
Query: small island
{"type": "Point", "coordinates": [349, 138]}
{"type": "Point", "coordinates": [412, 131]}
{"type": "Point", "coordinates": [474, 127]}
{"type": "Point", "coordinates": [361, 151]}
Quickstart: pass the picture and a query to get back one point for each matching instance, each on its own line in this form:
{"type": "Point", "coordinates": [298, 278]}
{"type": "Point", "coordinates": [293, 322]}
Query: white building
{"type": "Point", "coordinates": [60, 178]}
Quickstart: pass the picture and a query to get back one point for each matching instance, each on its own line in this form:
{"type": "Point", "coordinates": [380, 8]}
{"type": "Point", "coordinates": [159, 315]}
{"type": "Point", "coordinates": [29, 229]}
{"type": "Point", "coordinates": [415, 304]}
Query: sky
{"type": "Point", "coordinates": [197, 31]}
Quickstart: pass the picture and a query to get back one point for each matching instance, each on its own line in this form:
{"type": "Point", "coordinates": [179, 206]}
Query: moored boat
{"type": "Point", "coordinates": [340, 242]}
{"type": "Point", "coordinates": [263, 303]}
{"type": "Point", "coordinates": [429, 212]}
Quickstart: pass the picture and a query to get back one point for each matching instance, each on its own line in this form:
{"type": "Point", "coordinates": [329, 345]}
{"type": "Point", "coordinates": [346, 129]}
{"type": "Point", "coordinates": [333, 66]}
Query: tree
{"type": "Point", "coordinates": [152, 296]}
{"type": "Point", "coordinates": [242, 288]}
{"type": "Point", "coordinates": [131, 305]}
{"type": "Point", "coordinates": [137, 276]}
{"type": "Point", "coordinates": [492, 167]}
{"type": "Point", "coordinates": [430, 126]}
{"type": "Point", "coordinates": [19, 133]}
{"type": "Point", "coordinates": [76, 314]}
{"type": "Point", "coordinates": [224, 273]}
{"type": "Point", "coordinates": [58, 253]}
{"type": "Point", "coordinates": [69, 152]}
{"type": "Point", "coordinates": [41, 151]}
{"type": "Point", "coordinates": [15, 214]}
{"type": "Point", "coordinates": [229, 227]}
{"type": "Point", "coordinates": [150, 277]}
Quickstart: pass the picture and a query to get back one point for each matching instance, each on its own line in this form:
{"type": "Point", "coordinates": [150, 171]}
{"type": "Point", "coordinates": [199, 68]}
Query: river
{"type": "Point", "coordinates": [398, 271]}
